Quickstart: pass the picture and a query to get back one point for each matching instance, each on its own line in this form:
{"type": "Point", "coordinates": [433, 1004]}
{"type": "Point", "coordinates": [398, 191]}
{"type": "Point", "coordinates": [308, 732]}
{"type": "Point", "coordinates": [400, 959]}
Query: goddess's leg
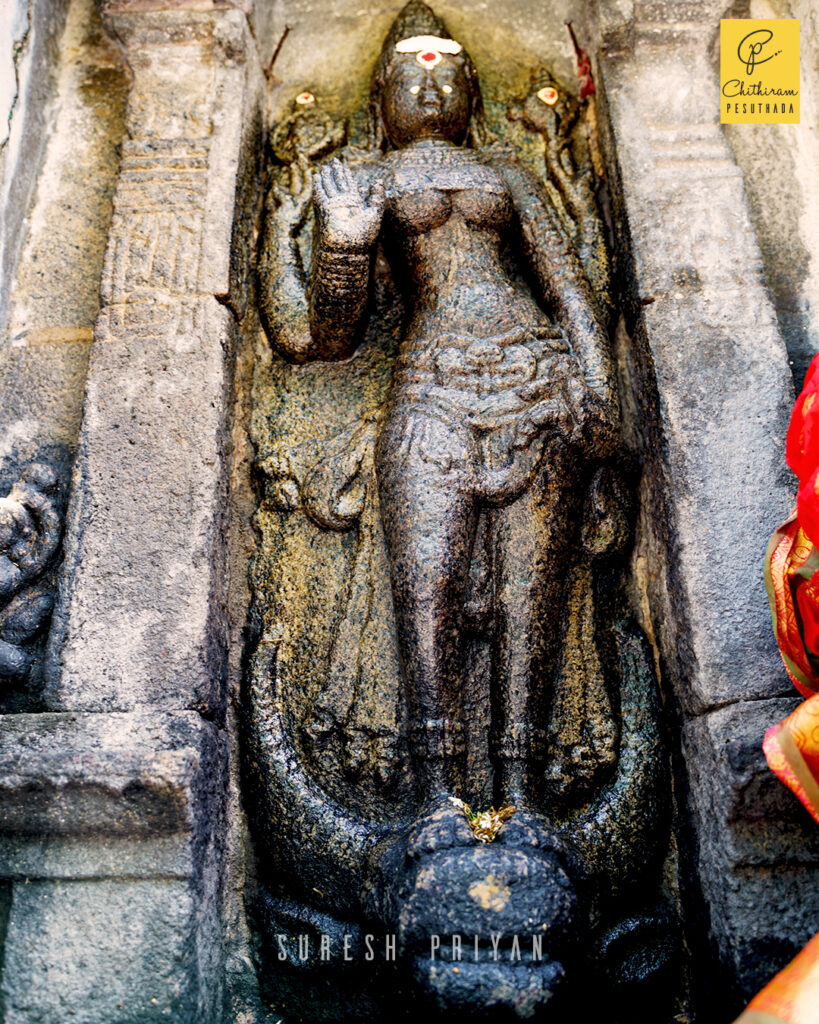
{"type": "Point", "coordinates": [426, 485]}
{"type": "Point", "coordinates": [532, 540]}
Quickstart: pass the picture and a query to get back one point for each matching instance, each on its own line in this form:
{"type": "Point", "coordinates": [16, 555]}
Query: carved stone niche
{"type": "Point", "coordinates": [440, 606]}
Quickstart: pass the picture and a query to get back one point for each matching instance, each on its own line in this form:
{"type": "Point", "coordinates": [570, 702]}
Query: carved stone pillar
{"type": "Point", "coordinates": [716, 383]}
{"type": "Point", "coordinates": [113, 800]}
{"type": "Point", "coordinates": [146, 559]}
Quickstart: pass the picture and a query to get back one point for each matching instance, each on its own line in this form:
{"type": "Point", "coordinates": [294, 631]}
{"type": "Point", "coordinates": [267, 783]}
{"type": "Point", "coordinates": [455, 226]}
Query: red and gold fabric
{"type": "Point", "coordinates": [792, 746]}
{"type": "Point", "coordinates": [792, 579]}
{"type": "Point", "coordinates": [792, 750]}
{"type": "Point", "coordinates": [802, 451]}
{"type": "Point", "coordinates": [793, 591]}
{"type": "Point", "coordinates": [793, 995]}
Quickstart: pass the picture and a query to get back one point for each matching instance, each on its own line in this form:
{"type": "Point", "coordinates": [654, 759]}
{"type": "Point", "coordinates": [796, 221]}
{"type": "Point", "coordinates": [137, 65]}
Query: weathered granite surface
{"type": "Point", "coordinates": [779, 168]}
{"type": "Point", "coordinates": [758, 854]}
{"type": "Point", "coordinates": [138, 774]}
{"type": "Point", "coordinates": [702, 310]}
{"type": "Point", "coordinates": [57, 269]}
{"type": "Point", "coordinates": [113, 824]}
{"type": "Point", "coordinates": [55, 297]}
{"type": "Point", "coordinates": [31, 34]}
{"type": "Point", "coordinates": [107, 832]}
{"type": "Point", "coordinates": [711, 376]}
{"type": "Point", "coordinates": [159, 385]}
{"type": "Point", "coordinates": [122, 862]}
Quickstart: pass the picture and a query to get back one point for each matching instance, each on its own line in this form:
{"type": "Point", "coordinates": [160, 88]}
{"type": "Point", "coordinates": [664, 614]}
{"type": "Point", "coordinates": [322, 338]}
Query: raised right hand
{"type": "Point", "coordinates": [346, 221]}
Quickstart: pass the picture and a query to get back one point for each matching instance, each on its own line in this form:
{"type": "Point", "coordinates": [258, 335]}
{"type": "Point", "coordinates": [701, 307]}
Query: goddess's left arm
{"type": "Point", "coordinates": [560, 280]}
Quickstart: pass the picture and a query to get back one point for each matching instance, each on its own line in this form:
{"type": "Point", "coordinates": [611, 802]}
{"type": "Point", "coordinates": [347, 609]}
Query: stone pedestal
{"type": "Point", "coordinates": [109, 847]}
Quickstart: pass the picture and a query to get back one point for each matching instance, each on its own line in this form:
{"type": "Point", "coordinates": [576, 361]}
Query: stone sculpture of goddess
{"type": "Point", "coordinates": [503, 387]}
{"type": "Point", "coordinates": [483, 480]}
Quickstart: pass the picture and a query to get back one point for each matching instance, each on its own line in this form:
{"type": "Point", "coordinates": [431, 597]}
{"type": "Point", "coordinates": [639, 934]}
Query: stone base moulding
{"type": "Point", "coordinates": [109, 828]}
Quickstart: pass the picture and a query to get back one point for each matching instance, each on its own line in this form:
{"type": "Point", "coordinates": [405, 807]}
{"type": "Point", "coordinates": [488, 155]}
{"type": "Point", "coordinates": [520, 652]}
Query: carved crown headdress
{"type": "Point", "coordinates": [413, 21]}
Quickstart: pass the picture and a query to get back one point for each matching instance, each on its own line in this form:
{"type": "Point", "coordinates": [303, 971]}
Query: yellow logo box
{"type": "Point", "coordinates": [759, 70]}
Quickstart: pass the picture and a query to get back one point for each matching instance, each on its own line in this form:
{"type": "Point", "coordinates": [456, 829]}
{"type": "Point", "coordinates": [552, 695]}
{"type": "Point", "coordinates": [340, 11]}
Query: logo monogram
{"type": "Point", "coordinates": [759, 71]}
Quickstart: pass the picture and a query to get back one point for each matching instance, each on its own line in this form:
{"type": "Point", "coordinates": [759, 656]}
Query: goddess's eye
{"type": "Point", "coordinates": [415, 89]}
{"type": "Point", "coordinates": [446, 88]}
{"type": "Point", "coordinates": [547, 95]}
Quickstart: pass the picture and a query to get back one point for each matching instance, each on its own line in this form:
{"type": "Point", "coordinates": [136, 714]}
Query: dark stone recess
{"type": "Point", "coordinates": [441, 600]}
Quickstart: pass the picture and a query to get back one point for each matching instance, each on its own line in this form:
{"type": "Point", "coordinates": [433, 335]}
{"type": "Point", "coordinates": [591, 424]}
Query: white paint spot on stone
{"type": "Point", "coordinates": [14, 19]}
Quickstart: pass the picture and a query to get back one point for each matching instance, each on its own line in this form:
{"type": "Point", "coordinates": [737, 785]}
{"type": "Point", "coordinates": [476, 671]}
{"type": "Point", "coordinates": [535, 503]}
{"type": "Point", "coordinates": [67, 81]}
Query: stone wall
{"type": "Point", "coordinates": [711, 373]}
{"type": "Point", "coordinates": [131, 180]}
{"type": "Point", "coordinates": [783, 195]}
{"type": "Point", "coordinates": [28, 73]}
{"type": "Point", "coordinates": [119, 363]}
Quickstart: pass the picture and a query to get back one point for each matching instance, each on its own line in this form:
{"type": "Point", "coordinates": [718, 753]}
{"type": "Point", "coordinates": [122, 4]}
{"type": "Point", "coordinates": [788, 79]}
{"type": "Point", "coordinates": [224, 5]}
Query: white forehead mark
{"type": "Point", "coordinates": [415, 89]}
{"type": "Point", "coordinates": [417, 43]}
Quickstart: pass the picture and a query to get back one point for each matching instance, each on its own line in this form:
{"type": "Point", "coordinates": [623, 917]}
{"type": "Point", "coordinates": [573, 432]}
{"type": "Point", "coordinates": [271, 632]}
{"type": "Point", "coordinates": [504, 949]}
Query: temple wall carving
{"type": "Point", "coordinates": [389, 433]}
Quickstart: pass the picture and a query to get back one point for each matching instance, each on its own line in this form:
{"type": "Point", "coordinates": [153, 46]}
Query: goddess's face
{"type": "Point", "coordinates": [426, 102]}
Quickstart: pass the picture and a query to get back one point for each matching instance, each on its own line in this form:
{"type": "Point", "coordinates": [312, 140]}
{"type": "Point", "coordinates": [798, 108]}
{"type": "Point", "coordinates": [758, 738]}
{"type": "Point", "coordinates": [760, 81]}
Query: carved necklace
{"type": "Point", "coordinates": [436, 154]}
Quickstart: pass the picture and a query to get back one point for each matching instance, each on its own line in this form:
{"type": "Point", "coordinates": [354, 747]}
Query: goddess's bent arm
{"type": "Point", "coordinates": [321, 317]}
{"type": "Point", "coordinates": [561, 282]}
{"type": "Point", "coordinates": [338, 294]}
{"type": "Point", "coordinates": [282, 296]}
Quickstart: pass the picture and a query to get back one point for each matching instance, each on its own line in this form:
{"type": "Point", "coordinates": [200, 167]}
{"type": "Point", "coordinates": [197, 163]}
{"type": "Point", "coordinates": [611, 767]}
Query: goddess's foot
{"type": "Point", "coordinates": [441, 826]}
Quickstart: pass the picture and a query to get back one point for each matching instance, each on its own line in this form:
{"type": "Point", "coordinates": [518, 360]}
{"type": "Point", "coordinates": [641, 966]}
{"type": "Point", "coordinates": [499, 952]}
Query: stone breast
{"type": "Point", "coordinates": [424, 198]}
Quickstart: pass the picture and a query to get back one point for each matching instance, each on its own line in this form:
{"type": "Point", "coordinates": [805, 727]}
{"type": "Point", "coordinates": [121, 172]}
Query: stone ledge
{"type": "Point", "coordinates": [758, 849]}
{"type": "Point", "coordinates": [89, 858]}
{"type": "Point", "coordinates": [725, 747]}
{"type": "Point", "coordinates": [105, 952]}
{"type": "Point", "coordinates": [224, 28]}
{"type": "Point", "coordinates": [133, 774]}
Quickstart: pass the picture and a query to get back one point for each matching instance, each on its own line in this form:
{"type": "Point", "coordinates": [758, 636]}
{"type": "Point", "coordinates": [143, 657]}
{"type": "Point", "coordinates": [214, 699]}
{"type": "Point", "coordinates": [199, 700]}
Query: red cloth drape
{"type": "Point", "coordinates": [792, 746]}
